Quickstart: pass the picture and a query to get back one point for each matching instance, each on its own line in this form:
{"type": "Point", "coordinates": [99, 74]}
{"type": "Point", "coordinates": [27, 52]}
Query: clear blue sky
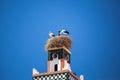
{"type": "Point", "coordinates": [94, 26]}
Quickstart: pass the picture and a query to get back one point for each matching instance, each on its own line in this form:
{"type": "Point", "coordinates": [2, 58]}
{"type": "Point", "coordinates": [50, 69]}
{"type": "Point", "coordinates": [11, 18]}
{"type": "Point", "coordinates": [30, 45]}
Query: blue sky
{"type": "Point", "coordinates": [93, 25]}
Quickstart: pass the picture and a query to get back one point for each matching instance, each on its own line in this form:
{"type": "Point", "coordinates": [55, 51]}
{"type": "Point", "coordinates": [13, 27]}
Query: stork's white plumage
{"type": "Point", "coordinates": [51, 34]}
{"type": "Point", "coordinates": [64, 32]}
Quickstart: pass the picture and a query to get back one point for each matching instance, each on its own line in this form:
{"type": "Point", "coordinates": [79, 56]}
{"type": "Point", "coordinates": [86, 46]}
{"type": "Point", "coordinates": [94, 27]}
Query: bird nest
{"type": "Point", "coordinates": [59, 41]}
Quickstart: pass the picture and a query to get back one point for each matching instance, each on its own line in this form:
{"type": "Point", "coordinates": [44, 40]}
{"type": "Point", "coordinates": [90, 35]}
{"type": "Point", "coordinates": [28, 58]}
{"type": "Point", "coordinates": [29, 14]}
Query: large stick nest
{"type": "Point", "coordinates": [59, 41]}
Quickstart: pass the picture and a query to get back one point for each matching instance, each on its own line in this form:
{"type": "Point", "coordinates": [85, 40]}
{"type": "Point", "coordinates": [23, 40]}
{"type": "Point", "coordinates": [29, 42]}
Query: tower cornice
{"type": "Point", "coordinates": [60, 48]}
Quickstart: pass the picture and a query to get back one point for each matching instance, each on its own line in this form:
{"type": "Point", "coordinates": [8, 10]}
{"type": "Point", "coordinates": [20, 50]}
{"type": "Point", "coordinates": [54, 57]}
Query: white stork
{"type": "Point", "coordinates": [51, 34]}
{"type": "Point", "coordinates": [64, 32]}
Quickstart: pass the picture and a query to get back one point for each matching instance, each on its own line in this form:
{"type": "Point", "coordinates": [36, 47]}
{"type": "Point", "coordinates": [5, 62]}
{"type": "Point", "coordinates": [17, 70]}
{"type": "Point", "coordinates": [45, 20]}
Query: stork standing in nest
{"type": "Point", "coordinates": [64, 32]}
{"type": "Point", "coordinates": [51, 34]}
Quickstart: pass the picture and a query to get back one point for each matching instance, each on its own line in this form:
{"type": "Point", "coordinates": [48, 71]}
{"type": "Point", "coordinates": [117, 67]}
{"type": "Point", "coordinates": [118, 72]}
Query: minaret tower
{"type": "Point", "coordinates": [58, 59]}
{"type": "Point", "coordinates": [58, 49]}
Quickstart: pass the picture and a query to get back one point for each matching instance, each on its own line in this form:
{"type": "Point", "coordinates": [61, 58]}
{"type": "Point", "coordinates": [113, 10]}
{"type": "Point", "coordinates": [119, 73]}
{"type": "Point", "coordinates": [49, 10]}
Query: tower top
{"type": "Point", "coordinates": [60, 48]}
{"type": "Point", "coordinates": [58, 42]}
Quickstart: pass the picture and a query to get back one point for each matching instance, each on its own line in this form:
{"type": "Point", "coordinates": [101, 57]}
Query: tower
{"type": "Point", "coordinates": [58, 49]}
{"type": "Point", "coordinates": [58, 59]}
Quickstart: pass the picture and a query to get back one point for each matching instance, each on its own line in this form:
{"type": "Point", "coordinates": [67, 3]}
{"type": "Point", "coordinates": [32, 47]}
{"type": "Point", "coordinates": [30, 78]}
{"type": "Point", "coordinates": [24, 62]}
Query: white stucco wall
{"type": "Point", "coordinates": [58, 62]}
{"type": "Point", "coordinates": [66, 66]}
{"type": "Point", "coordinates": [53, 62]}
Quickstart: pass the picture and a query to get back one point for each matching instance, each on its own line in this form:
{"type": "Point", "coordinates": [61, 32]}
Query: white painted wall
{"type": "Point", "coordinates": [58, 62]}
{"type": "Point", "coordinates": [53, 62]}
{"type": "Point", "coordinates": [66, 66]}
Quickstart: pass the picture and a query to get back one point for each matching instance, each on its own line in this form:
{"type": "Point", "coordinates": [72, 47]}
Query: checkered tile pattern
{"type": "Point", "coordinates": [58, 76]}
